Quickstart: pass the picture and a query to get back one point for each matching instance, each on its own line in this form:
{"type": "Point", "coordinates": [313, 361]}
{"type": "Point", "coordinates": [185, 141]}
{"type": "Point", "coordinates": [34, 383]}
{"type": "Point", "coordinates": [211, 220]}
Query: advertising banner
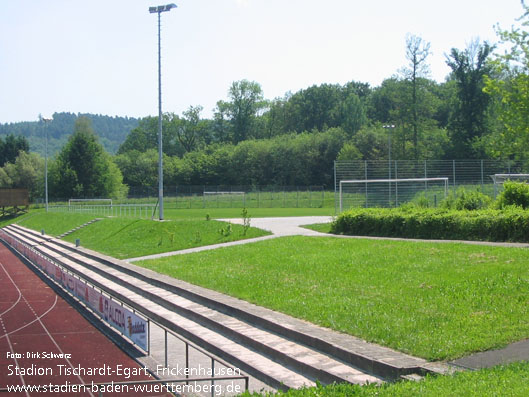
{"type": "Point", "coordinates": [121, 318]}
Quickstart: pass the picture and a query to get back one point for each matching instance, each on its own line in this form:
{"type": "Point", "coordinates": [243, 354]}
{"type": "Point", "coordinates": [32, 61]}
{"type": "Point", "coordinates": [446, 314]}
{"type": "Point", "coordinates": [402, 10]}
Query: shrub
{"type": "Point", "coordinates": [514, 193]}
{"type": "Point", "coordinates": [466, 200]}
{"type": "Point", "coordinates": [511, 224]}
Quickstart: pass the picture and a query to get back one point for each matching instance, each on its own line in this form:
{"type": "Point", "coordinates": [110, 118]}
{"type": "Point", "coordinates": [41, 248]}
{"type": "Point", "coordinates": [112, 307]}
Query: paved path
{"type": "Point", "coordinates": [285, 226]}
{"type": "Point", "coordinates": [292, 226]}
{"type": "Point", "coordinates": [517, 351]}
{"type": "Point", "coordinates": [279, 227]}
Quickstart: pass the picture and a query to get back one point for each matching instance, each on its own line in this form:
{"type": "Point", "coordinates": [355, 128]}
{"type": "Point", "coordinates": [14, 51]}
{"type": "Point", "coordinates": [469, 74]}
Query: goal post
{"type": "Point", "coordinates": [224, 197]}
{"type": "Point", "coordinates": [500, 179]}
{"type": "Point", "coordinates": [388, 192]}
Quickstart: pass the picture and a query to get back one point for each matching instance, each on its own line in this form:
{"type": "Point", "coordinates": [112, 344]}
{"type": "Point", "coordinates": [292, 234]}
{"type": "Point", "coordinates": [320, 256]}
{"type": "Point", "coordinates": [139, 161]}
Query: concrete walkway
{"type": "Point", "coordinates": [292, 226]}
{"type": "Point", "coordinates": [285, 226]}
{"type": "Point", "coordinates": [279, 227]}
{"type": "Point", "coordinates": [517, 351]}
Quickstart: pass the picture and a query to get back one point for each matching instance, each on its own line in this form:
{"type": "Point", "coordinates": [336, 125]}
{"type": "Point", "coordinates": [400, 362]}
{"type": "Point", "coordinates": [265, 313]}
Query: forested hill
{"type": "Point", "coordinates": [112, 131]}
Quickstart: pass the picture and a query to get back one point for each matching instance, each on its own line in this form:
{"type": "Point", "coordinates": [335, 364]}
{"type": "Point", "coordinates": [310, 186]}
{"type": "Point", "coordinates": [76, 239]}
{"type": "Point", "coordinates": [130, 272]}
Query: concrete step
{"type": "Point", "coordinates": [211, 329]}
{"type": "Point", "coordinates": [377, 360]}
{"type": "Point", "coordinates": [79, 227]}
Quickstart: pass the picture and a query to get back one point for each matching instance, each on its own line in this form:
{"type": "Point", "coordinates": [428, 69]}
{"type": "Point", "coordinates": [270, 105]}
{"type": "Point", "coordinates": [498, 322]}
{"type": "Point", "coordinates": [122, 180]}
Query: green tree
{"type": "Point", "coordinates": [417, 50]}
{"type": "Point", "coordinates": [510, 86]}
{"type": "Point", "coordinates": [246, 100]}
{"type": "Point", "coordinates": [11, 147]}
{"type": "Point", "coordinates": [349, 152]}
{"type": "Point", "coordinates": [145, 136]}
{"type": "Point", "coordinates": [27, 171]}
{"type": "Point", "coordinates": [314, 109]}
{"type": "Point", "coordinates": [139, 169]}
{"type": "Point", "coordinates": [468, 122]}
{"type": "Point", "coordinates": [191, 130]}
{"type": "Point", "coordinates": [83, 169]}
{"type": "Point", "coordinates": [353, 114]}
{"type": "Point", "coordinates": [392, 103]}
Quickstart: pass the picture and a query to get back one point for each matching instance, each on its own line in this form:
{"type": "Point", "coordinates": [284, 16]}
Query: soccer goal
{"type": "Point", "coordinates": [500, 179]}
{"type": "Point", "coordinates": [72, 202]}
{"type": "Point", "coordinates": [390, 192]}
{"type": "Point", "coordinates": [224, 199]}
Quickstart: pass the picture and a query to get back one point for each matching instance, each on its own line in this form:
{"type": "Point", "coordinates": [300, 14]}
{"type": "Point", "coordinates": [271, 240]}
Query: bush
{"type": "Point", "coordinates": [466, 200]}
{"type": "Point", "coordinates": [514, 193]}
{"type": "Point", "coordinates": [511, 224]}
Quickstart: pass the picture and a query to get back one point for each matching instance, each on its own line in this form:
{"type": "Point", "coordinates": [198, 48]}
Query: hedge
{"type": "Point", "coordinates": [510, 224]}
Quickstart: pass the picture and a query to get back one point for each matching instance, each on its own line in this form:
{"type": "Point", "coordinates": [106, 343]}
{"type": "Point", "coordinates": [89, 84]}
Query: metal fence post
{"type": "Point", "coordinates": [482, 181]}
{"type": "Point", "coordinates": [396, 186]}
{"type": "Point", "coordinates": [454, 174]}
{"type": "Point", "coordinates": [365, 175]}
{"type": "Point", "coordinates": [335, 187]}
{"type": "Point", "coordinates": [166, 349]}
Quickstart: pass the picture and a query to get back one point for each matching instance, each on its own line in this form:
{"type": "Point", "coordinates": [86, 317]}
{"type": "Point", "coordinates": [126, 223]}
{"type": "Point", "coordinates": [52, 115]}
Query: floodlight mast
{"type": "Point", "coordinates": [158, 10]}
{"type": "Point", "coordinates": [46, 120]}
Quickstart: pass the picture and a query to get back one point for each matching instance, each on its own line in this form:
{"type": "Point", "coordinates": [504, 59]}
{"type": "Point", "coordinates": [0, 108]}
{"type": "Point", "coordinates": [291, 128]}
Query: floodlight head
{"type": "Point", "coordinates": [45, 119]}
{"type": "Point", "coordinates": [158, 9]}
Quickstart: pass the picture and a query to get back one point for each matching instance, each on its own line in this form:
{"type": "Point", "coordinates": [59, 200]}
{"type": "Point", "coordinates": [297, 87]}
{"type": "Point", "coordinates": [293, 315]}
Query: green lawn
{"type": "Point", "coordinates": [216, 213]}
{"type": "Point", "coordinates": [130, 237]}
{"type": "Point", "coordinates": [437, 301]}
{"type": "Point", "coordinates": [320, 227]}
{"type": "Point", "coordinates": [127, 238]}
{"type": "Point", "coordinates": [53, 224]}
{"type": "Point", "coordinates": [511, 380]}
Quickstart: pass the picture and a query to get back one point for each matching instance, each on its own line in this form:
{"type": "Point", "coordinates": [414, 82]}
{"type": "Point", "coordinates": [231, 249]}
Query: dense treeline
{"type": "Point", "coordinates": [291, 159]}
{"type": "Point", "coordinates": [290, 140]}
{"type": "Point", "coordinates": [112, 131]}
{"type": "Point", "coordinates": [479, 111]}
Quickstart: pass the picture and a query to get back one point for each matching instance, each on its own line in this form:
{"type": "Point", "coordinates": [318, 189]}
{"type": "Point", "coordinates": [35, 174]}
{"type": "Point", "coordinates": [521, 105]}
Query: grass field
{"type": "Point", "coordinates": [437, 301]}
{"type": "Point", "coordinates": [511, 380]}
{"type": "Point", "coordinates": [53, 224]}
{"type": "Point", "coordinates": [129, 237]}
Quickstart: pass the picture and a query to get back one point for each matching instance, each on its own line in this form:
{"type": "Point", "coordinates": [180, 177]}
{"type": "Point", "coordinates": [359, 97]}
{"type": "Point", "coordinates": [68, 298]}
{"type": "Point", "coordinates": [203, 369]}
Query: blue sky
{"type": "Point", "coordinates": [100, 56]}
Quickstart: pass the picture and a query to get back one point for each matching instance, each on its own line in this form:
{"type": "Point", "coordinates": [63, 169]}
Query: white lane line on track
{"type": "Point", "coordinates": [45, 329]}
{"type": "Point", "coordinates": [12, 351]}
{"type": "Point", "coordinates": [31, 322]}
{"type": "Point", "coordinates": [18, 300]}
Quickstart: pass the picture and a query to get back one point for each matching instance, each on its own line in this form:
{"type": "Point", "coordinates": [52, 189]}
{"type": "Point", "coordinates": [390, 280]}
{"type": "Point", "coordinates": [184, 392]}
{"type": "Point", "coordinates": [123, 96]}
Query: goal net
{"type": "Point", "coordinates": [500, 179]}
{"type": "Point", "coordinates": [224, 199]}
{"type": "Point", "coordinates": [390, 192]}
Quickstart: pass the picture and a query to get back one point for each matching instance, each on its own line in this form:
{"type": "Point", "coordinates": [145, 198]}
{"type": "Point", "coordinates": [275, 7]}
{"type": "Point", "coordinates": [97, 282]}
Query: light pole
{"type": "Point", "coordinates": [46, 120]}
{"type": "Point", "coordinates": [389, 128]}
{"type": "Point", "coordinates": [158, 10]}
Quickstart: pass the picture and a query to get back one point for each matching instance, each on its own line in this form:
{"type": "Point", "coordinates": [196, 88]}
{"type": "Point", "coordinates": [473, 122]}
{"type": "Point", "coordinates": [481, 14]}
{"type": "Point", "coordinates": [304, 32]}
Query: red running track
{"type": "Point", "coordinates": [45, 341]}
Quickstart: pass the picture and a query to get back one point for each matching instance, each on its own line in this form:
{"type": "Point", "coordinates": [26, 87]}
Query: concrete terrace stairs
{"type": "Point", "coordinates": [79, 227]}
{"type": "Point", "coordinates": [277, 349]}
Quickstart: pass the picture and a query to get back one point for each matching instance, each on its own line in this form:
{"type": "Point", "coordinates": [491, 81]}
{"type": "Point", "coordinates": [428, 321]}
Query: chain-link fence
{"type": "Point", "coordinates": [471, 174]}
{"type": "Point", "coordinates": [219, 196]}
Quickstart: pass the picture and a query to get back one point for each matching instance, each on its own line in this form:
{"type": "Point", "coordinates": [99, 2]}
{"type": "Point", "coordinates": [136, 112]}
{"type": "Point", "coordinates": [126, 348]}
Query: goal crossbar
{"type": "Point", "coordinates": [223, 193]}
{"type": "Point", "coordinates": [70, 201]}
{"type": "Point", "coordinates": [365, 181]}
{"type": "Point", "coordinates": [500, 178]}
